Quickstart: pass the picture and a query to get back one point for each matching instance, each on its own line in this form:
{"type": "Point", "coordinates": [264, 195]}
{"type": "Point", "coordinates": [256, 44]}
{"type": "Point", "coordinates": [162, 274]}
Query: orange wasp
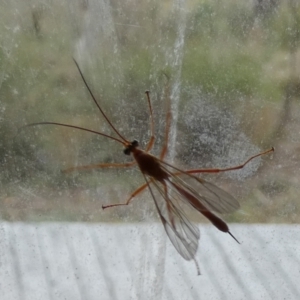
{"type": "Point", "coordinates": [171, 188]}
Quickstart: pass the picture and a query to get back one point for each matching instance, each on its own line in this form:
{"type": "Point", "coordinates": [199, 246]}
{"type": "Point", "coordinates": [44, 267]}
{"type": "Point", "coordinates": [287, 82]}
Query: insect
{"type": "Point", "coordinates": [170, 187]}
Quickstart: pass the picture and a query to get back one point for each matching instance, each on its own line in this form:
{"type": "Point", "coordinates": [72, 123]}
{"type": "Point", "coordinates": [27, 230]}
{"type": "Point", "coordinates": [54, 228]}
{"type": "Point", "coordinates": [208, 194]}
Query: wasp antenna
{"type": "Point", "coordinates": [96, 102]}
{"type": "Point", "coordinates": [75, 127]}
{"type": "Point", "coordinates": [234, 237]}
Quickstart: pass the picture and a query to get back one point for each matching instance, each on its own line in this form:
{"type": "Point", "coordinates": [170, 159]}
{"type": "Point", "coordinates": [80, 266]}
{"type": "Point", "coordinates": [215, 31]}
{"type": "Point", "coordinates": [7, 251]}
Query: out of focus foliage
{"type": "Point", "coordinates": [241, 56]}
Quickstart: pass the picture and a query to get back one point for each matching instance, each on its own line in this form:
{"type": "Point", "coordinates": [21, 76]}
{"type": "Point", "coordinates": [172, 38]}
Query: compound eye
{"type": "Point", "coordinates": [135, 143]}
{"type": "Point", "coordinates": [126, 151]}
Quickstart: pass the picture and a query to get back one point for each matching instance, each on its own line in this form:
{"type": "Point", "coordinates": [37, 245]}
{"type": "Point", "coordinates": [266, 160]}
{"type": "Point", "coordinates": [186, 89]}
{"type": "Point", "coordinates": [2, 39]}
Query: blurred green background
{"type": "Point", "coordinates": [232, 69]}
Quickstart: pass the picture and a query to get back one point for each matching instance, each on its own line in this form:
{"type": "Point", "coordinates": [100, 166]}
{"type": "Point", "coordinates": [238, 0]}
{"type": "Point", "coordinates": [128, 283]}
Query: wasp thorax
{"type": "Point", "coordinates": [130, 147]}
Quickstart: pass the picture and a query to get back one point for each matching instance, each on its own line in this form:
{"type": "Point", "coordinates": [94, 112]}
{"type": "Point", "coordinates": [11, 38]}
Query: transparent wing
{"type": "Point", "coordinates": [208, 194]}
{"type": "Point", "coordinates": [182, 233]}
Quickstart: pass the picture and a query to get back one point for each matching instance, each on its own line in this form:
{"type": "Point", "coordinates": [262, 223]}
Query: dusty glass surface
{"type": "Point", "coordinates": [232, 72]}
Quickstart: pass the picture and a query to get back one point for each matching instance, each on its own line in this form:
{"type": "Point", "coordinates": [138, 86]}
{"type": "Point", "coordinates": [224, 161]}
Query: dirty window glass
{"type": "Point", "coordinates": [224, 86]}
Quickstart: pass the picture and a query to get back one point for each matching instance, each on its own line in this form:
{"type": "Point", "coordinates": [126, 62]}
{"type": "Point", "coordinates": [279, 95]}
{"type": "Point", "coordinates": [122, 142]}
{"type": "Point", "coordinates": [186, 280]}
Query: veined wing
{"type": "Point", "coordinates": [183, 234]}
{"type": "Point", "coordinates": [208, 194]}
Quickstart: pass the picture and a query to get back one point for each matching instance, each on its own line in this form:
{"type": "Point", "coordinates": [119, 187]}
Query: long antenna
{"type": "Point", "coordinates": [96, 102]}
{"type": "Point", "coordinates": [76, 127]}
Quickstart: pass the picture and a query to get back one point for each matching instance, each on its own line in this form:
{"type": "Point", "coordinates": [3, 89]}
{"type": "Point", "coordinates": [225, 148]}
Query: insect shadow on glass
{"type": "Point", "coordinates": [170, 187]}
